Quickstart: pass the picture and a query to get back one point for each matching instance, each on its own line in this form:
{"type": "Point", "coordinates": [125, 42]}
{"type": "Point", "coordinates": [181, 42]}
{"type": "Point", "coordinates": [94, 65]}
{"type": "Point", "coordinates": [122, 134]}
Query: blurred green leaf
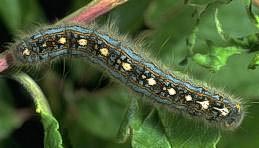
{"type": "Point", "coordinates": [9, 117]}
{"type": "Point", "coordinates": [253, 17]}
{"type": "Point", "coordinates": [129, 22]}
{"type": "Point", "coordinates": [254, 62]}
{"type": "Point", "coordinates": [95, 114]}
{"type": "Point", "coordinates": [52, 137]}
{"type": "Point", "coordinates": [216, 58]}
{"type": "Point", "coordinates": [248, 42]}
{"type": "Point", "coordinates": [102, 111]}
{"type": "Point", "coordinates": [9, 120]}
{"type": "Point", "coordinates": [11, 13]}
{"type": "Point", "coordinates": [16, 13]}
{"type": "Point", "coordinates": [79, 3]}
{"type": "Point", "coordinates": [171, 23]}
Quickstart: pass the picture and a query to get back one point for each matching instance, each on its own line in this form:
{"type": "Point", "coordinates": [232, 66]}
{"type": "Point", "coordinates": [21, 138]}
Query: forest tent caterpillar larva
{"type": "Point", "coordinates": [138, 73]}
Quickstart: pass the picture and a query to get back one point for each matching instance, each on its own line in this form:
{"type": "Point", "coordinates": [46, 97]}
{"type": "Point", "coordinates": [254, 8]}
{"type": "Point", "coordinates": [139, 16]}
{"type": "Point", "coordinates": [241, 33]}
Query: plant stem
{"type": "Point", "coordinates": [92, 11]}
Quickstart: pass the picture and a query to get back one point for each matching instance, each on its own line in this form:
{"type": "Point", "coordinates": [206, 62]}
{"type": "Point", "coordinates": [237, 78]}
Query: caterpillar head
{"type": "Point", "coordinates": [235, 114]}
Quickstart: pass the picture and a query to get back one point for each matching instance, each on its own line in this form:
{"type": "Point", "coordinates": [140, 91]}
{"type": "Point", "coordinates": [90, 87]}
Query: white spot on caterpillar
{"type": "Point", "coordinates": [224, 111]}
{"type": "Point", "coordinates": [171, 91]}
{"type": "Point", "coordinates": [44, 45]}
{"type": "Point", "coordinates": [126, 66]}
{"type": "Point", "coordinates": [151, 81]}
{"type": "Point", "coordinates": [188, 98]}
{"type": "Point", "coordinates": [62, 40]}
{"type": "Point", "coordinates": [143, 76]}
{"type": "Point", "coordinates": [104, 51]}
{"type": "Point", "coordinates": [204, 104]}
{"type": "Point", "coordinates": [26, 52]}
{"type": "Point", "coordinates": [82, 42]}
{"type": "Point", "coordinates": [95, 46]}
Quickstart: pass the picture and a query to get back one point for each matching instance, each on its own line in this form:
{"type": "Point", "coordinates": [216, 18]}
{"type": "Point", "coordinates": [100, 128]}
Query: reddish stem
{"type": "Point", "coordinates": [93, 10]}
{"type": "Point", "coordinates": [5, 62]}
{"type": "Point", "coordinates": [85, 15]}
{"type": "Point", "coordinates": [256, 3]}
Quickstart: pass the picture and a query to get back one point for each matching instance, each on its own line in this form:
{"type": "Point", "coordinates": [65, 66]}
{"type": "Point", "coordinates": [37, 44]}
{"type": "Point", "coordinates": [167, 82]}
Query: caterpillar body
{"type": "Point", "coordinates": [130, 68]}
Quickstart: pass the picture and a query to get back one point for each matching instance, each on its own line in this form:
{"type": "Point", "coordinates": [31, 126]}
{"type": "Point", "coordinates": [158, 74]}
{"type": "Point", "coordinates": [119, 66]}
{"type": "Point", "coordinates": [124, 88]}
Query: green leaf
{"type": "Point", "coordinates": [254, 62]}
{"type": "Point", "coordinates": [52, 137]}
{"type": "Point", "coordinates": [150, 133]}
{"type": "Point", "coordinates": [253, 17]}
{"type": "Point", "coordinates": [151, 128]}
{"type": "Point", "coordinates": [97, 109]}
{"type": "Point", "coordinates": [249, 42]}
{"type": "Point", "coordinates": [143, 126]}
{"type": "Point", "coordinates": [216, 58]}
{"type": "Point", "coordinates": [191, 40]}
{"type": "Point", "coordinates": [188, 133]}
{"type": "Point", "coordinates": [222, 34]}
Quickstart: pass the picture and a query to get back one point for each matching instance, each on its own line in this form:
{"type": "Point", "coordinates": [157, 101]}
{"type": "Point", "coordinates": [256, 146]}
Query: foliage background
{"type": "Point", "coordinates": [83, 99]}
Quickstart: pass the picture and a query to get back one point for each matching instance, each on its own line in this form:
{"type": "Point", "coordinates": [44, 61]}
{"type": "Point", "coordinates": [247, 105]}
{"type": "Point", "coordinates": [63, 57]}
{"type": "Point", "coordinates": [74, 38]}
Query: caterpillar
{"type": "Point", "coordinates": [123, 62]}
